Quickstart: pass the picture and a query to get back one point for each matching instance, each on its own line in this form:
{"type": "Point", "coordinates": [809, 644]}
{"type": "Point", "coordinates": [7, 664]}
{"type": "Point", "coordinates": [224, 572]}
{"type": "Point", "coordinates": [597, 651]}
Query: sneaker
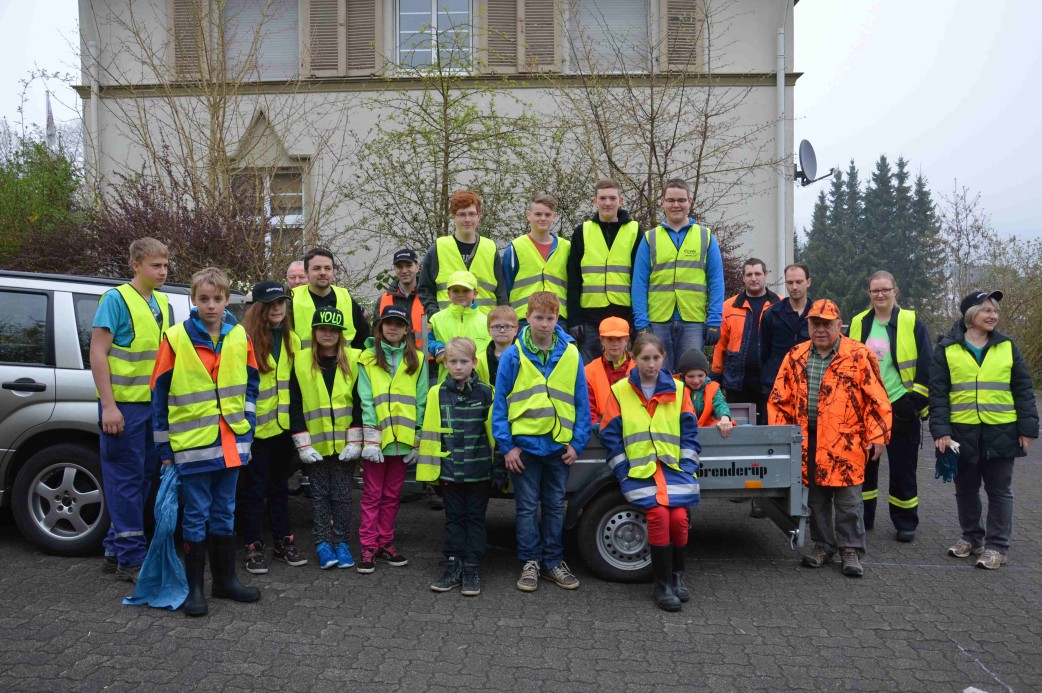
{"type": "Point", "coordinates": [963, 548]}
{"type": "Point", "coordinates": [471, 582]}
{"type": "Point", "coordinates": [326, 557]}
{"type": "Point", "coordinates": [851, 563]}
{"type": "Point", "coordinates": [991, 560]}
{"type": "Point", "coordinates": [286, 551]}
{"type": "Point", "coordinates": [368, 562]}
{"type": "Point", "coordinates": [343, 556]}
{"type": "Point", "coordinates": [452, 577]}
{"type": "Point", "coordinates": [109, 564]}
{"type": "Point", "coordinates": [255, 562]}
{"type": "Point", "coordinates": [561, 576]}
{"type": "Point", "coordinates": [128, 574]}
{"type": "Point", "coordinates": [529, 580]}
{"type": "Point", "coordinates": [389, 555]}
{"type": "Point", "coordinates": [818, 557]}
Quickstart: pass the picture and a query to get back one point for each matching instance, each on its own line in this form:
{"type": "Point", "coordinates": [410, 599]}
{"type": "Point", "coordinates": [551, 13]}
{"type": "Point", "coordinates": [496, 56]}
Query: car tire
{"type": "Point", "coordinates": [612, 538]}
{"type": "Point", "coordinates": [58, 502]}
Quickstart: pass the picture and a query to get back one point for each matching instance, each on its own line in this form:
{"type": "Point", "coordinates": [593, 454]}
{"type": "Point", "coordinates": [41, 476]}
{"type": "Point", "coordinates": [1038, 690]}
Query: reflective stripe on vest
{"type": "Point", "coordinates": [907, 350]}
{"type": "Point", "coordinates": [535, 274]}
{"type": "Point", "coordinates": [304, 311]}
{"type": "Point", "coordinates": [648, 439]}
{"type": "Point", "coordinates": [981, 394]}
{"type": "Point", "coordinates": [130, 368]}
{"type": "Point", "coordinates": [482, 266]}
{"type": "Point", "coordinates": [416, 317]}
{"type": "Point", "coordinates": [273, 398]}
{"type": "Point", "coordinates": [607, 273]}
{"type": "Point", "coordinates": [394, 399]}
{"type": "Point", "coordinates": [326, 415]}
{"type": "Point", "coordinates": [538, 405]}
{"type": "Point", "coordinates": [678, 276]}
{"type": "Point", "coordinates": [428, 465]}
{"type": "Point", "coordinates": [457, 321]}
{"type": "Point", "coordinates": [196, 403]}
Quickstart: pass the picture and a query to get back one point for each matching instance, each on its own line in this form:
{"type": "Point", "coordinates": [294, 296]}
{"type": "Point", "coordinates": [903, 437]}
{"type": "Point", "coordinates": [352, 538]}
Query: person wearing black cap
{"type": "Point", "coordinates": [982, 405]}
{"type": "Point", "coordinates": [267, 322]}
{"type": "Point", "coordinates": [403, 294]}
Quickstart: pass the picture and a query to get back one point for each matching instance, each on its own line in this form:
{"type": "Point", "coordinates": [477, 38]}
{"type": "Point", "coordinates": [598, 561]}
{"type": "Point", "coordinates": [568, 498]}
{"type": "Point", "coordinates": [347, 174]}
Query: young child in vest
{"type": "Point", "coordinates": [461, 319]}
{"type": "Point", "coordinates": [708, 399]}
{"type": "Point", "coordinates": [657, 473]}
{"type": "Point", "coordinates": [264, 481]}
{"type": "Point", "coordinates": [125, 336]}
{"type": "Point", "coordinates": [322, 411]}
{"type": "Point", "coordinates": [502, 329]}
{"type": "Point", "coordinates": [456, 450]}
{"type": "Point", "coordinates": [392, 389]}
{"type": "Point", "coordinates": [610, 367]}
{"type": "Point", "coordinates": [541, 422]}
{"type": "Point", "coordinates": [204, 395]}
{"type": "Point", "coordinates": [537, 261]}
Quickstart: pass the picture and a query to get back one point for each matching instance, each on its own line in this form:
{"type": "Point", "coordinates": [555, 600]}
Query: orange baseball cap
{"type": "Point", "coordinates": [825, 309]}
{"type": "Point", "coordinates": [614, 327]}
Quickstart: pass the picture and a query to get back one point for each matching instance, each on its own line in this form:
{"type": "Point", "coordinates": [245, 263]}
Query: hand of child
{"type": "Point", "coordinates": [111, 421]}
{"type": "Point", "coordinates": [513, 461]}
{"type": "Point", "coordinates": [373, 453]}
{"type": "Point", "coordinates": [353, 449]}
{"type": "Point", "coordinates": [411, 458]}
{"type": "Point", "coordinates": [309, 455]}
{"type": "Point", "coordinates": [167, 463]}
{"type": "Point", "coordinates": [724, 426]}
{"type": "Point", "coordinates": [569, 456]}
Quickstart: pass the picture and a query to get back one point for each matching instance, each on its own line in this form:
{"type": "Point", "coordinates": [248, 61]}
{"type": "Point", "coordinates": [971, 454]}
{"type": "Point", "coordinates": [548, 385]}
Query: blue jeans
{"type": "Point", "coordinates": [678, 336]}
{"type": "Point", "coordinates": [539, 499]}
{"type": "Point", "coordinates": [209, 504]}
{"type": "Point", "coordinates": [997, 476]}
{"type": "Point", "coordinates": [129, 463]}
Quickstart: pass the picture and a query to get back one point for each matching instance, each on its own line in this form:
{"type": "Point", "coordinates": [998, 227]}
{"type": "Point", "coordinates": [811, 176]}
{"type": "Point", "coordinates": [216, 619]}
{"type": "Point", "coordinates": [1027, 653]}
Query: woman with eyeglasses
{"type": "Point", "coordinates": [982, 404]}
{"type": "Point", "coordinates": [901, 343]}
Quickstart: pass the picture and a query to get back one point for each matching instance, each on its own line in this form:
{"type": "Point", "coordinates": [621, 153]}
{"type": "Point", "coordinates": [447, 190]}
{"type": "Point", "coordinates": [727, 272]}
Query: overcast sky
{"type": "Point", "coordinates": [944, 83]}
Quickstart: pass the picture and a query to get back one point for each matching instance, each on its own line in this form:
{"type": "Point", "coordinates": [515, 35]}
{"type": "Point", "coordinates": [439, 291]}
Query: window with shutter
{"type": "Point", "coordinates": [608, 36]}
{"type": "Point", "coordinates": [188, 37]}
{"type": "Point", "coordinates": [327, 27]}
{"type": "Point", "coordinates": [363, 28]}
{"type": "Point", "coordinates": [501, 35]}
{"type": "Point", "coordinates": [540, 39]}
{"type": "Point", "coordinates": [683, 22]}
{"type": "Point", "coordinates": [261, 39]}
{"type": "Point", "coordinates": [276, 196]}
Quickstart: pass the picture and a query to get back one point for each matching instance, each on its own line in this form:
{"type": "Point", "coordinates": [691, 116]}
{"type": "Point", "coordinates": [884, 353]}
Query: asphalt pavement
{"type": "Point", "coordinates": [757, 620]}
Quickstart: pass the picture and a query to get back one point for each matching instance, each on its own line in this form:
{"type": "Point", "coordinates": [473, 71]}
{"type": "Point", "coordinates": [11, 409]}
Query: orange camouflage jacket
{"type": "Point", "coordinates": [853, 410]}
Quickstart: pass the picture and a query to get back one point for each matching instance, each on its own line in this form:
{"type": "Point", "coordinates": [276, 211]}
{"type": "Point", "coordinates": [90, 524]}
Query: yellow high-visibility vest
{"type": "Point", "coordinates": [482, 266]}
{"type": "Point", "coordinates": [981, 394]}
{"type": "Point", "coordinates": [130, 368]}
{"type": "Point", "coordinates": [394, 399]}
{"type": "Point", "coordinates": [535, 274]}
{"type": "Point", "coordinates": [678, 276]}
{"type": "Point", "coordinates": [539, 405]}
{"type": "Point", "coordinates": [273, 398]}
{"type": "Point", "coordinates": [459, 321]}
{"type": "Point", "coordinates": [428, 465]}
{"type": "Point", "coordinates": [907, 350]}
{"type": "Point", "coordinates": [326, 415]}
{"type": "Point", "coordinates": [196, 403]}
{"type": "Point", "coordinates": [607, 274]}
{"type": "Point", "coordinates": [649, 439]}
{"type": "Point", "coordinates": [304, 311]}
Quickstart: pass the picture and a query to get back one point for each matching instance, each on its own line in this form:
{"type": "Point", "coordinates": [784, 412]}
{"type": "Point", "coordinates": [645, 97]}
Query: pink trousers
{"type": "Point", "coordinates": [381, 493]}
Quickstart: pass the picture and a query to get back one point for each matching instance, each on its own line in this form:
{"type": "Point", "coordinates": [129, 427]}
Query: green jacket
{"type": "Point", "coordinates": [395, 358]}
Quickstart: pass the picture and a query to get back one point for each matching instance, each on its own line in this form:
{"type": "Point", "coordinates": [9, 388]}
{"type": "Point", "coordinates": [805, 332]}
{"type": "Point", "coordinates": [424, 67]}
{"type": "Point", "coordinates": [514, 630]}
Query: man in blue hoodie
{"type": "Point", "coordinates": [541, 420]}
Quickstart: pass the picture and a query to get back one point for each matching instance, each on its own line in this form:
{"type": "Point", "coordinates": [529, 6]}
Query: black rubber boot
{"type": "Point", "coordinates": [662, 568]}
{"type": "Point", "coordinates": [195, 571]}
{"type": "Point", "coordinates": [679, 588]}
{"type": "Point", "coordinates": [222, 565]}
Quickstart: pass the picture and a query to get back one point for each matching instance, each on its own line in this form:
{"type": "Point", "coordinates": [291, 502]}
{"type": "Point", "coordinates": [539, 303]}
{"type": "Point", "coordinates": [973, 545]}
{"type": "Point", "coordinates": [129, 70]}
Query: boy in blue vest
{"type": "Point", "coordinates": [125, 336]}
{"type": "Point", "coordinates": [541, 420]}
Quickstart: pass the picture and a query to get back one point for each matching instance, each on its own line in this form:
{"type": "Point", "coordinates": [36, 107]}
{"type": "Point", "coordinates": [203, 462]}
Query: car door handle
{"type": "Point", "coordinates": [24, 385]}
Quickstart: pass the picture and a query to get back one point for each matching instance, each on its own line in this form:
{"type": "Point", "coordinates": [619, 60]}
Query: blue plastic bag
{"type": "Point", "coordinates": [947, 465]}
{"type": "Point", "coordinates": [162, 582]}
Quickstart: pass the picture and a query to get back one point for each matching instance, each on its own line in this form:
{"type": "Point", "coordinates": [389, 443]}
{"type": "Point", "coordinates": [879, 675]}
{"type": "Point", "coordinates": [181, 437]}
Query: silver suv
{"type": "Point", "coordinates": [50, 471]}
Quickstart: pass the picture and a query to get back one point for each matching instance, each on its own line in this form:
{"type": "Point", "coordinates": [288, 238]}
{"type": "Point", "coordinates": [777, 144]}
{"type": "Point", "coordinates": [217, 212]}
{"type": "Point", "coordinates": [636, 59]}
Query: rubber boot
{"type": "Point", "coordinates": [679, 588]}
{"type": "Point", "coordinates": [222, 566]}
{"type": "Point", "coordinates": [195, 571]}
{"type": "Point", "coordinates": [662, 569]}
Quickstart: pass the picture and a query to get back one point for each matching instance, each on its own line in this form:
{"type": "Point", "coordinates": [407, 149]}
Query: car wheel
{"type": "Point", "coordinates": [613, 539]}
{"type": "Point", "coordinates": [58, 501]}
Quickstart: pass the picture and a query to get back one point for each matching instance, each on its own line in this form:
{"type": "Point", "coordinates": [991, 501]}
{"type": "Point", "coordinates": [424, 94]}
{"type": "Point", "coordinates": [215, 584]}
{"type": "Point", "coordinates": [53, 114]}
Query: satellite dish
{"type": "Point", "coordinates": [809, 165]}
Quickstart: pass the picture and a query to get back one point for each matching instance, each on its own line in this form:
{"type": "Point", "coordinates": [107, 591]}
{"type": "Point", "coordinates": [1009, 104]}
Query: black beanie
{"type": "Point", "coordinates": [693, 359]}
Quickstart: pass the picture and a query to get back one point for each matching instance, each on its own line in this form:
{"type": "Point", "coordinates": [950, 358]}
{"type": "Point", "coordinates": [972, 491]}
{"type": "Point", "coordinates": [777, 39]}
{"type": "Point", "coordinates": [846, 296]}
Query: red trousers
{"type": "Point", "coordinates": [667, 525]}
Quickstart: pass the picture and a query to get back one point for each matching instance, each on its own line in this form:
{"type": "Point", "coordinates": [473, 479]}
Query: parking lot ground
{"type": "Point", "coordinates": [757, 620]}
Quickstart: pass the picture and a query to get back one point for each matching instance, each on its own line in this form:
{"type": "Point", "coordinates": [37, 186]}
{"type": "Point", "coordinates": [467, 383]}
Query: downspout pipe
{"type": "Point", "coordinates": [95, 135]}
{"type": "Point", "coordinates": [781, 156]}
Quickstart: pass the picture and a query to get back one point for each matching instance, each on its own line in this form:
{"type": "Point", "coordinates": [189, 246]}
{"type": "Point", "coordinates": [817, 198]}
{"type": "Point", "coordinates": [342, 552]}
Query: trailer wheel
{"type": "Point", "coordinates": [613, 539]}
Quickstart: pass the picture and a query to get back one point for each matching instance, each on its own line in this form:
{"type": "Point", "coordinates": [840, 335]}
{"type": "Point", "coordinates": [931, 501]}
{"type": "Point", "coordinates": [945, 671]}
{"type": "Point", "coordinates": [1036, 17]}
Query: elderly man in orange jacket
{"type": "Point", "coordinates": [831, 388]}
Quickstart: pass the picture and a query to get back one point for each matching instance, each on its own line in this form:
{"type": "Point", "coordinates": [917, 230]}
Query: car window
{"type": "Point", "coordinates": [85, 306]}
{"type": "Point", "coordinates": [23, 327]}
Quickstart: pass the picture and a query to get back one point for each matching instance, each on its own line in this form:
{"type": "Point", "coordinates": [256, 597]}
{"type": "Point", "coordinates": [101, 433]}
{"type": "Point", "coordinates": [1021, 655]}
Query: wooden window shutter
{"type": "Point", "coordinates": [326, 49]}
{"type": "Point", "coordinates": [188, 37]}
{"type": "Point", "coordinates": [540, 36]}
{"type": "Point", "coordinates": [364, 30]}
{"type": "Point", "coordinates": [501, 31]}
{"type": "Point", "coordinates": [683, 22]}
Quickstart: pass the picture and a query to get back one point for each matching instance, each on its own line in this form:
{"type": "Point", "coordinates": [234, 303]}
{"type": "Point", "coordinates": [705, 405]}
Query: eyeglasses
{"type": "Point", "coordinates": [880, 292]}
{"type": "Point", "coordinates": [503, 328]}
{"type": "Point", "coordinates": [674, 201]}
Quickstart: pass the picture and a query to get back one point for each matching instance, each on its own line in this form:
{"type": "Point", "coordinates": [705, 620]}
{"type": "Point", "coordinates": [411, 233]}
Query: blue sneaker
{"type": "Point", "coordinates": [326, 557]}
{"type": "Point", "coordinates": [343, 556]}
